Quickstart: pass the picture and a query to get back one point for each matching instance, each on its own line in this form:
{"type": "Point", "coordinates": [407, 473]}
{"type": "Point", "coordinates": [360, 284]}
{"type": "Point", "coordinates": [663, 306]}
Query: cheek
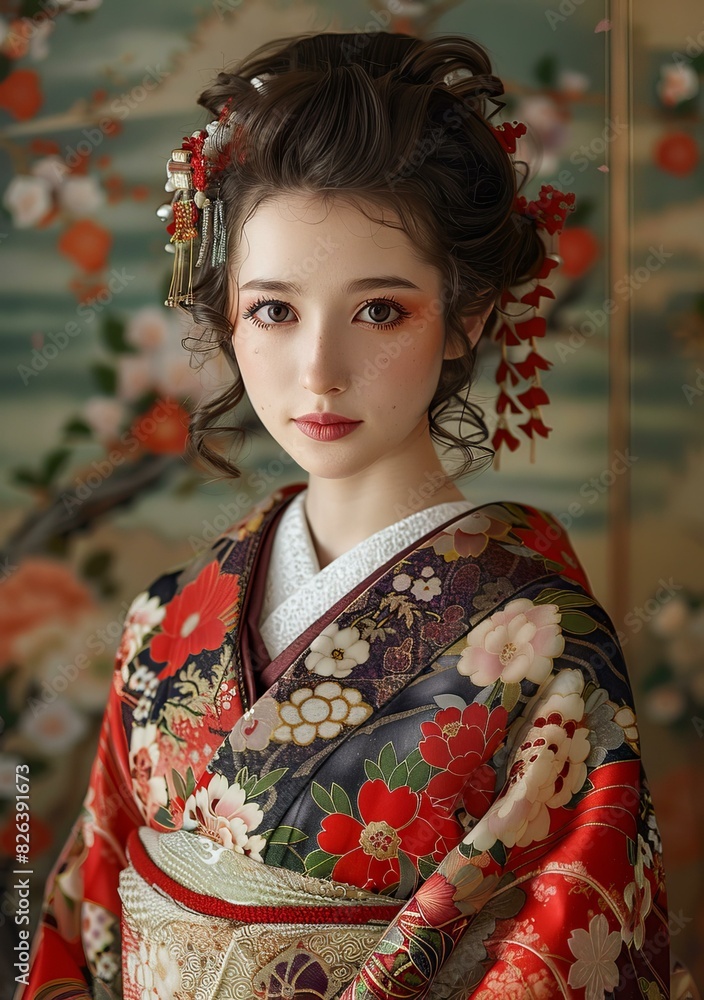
{"type": "Point", "coordinates": [416, 365]}
{"type": "Point", "coordinates": [245, 359]}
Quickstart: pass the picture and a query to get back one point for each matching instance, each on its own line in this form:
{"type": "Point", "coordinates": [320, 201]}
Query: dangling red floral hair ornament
{"type": "Point", "coordinates": [524, 327]}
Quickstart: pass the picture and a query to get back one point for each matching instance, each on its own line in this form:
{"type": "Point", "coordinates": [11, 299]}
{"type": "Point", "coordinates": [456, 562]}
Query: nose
{"type": "Point", "coordinates": [322, 363]}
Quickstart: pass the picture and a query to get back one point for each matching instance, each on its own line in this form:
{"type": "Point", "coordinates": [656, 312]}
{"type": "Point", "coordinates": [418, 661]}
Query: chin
{"type": "Point", "coordinates": [330, 467]}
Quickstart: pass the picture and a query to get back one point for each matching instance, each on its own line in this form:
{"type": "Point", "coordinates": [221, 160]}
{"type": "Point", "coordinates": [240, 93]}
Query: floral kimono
{"type": "Point", "coordinates": [426, 784]}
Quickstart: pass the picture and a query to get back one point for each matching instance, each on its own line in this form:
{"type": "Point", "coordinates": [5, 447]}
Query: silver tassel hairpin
{"type": "Point", "coordinates": [219, 251]}
{"type": "Point", "coordinates": [205, 230]}
{"type": "Point", "coordinates": [192, 214]}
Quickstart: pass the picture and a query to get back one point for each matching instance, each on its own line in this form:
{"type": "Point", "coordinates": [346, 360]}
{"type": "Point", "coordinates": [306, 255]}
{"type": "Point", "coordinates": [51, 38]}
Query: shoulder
{"type": "Point", "coordinates": [542, 533]}
{"type": "Point", "coordinates": [215, 543]}
{"type": "Point", "coordinates": [205, 583]}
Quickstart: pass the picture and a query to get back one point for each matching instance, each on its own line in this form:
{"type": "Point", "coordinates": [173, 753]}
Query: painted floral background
{"type": "Point", "coordinates": [95, 497]}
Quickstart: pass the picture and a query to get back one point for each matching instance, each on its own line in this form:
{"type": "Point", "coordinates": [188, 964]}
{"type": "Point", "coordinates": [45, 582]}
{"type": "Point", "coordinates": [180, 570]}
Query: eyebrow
{"type": "Point", "coordinates": [359, 285]}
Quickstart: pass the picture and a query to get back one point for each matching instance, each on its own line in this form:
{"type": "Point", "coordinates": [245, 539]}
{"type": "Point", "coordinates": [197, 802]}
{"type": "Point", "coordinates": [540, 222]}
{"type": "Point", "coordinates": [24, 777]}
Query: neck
{"type": "Point", "coordinates": [343, 512]}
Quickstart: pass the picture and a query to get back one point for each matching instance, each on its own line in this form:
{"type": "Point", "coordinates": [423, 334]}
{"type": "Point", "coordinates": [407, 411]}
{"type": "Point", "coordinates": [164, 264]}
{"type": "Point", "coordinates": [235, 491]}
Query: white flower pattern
{"type": "Point", "coordinates": [427, 586]}
{"type": "Point", "coordinates": [220, 812]}
{"type": "Point", "coordinates": [150, 789]}
{"type": "Point", "coordinates": [336, 652]}
{"type": "Point", "coordinates": [153, 971]}
{"type": "Point", "coordinates": [517, 643]}
{"type": "Point", "coordinates": [595, 950]}
{"type": "Point", "coordinates": [320, 712]}
{"type": "Point", "coordinates": [546, 767]}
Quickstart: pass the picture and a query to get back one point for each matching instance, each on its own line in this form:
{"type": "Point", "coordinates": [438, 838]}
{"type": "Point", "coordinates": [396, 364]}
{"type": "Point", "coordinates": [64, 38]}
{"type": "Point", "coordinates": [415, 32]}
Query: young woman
{"type": "Point", "coordinates": [376, 740]}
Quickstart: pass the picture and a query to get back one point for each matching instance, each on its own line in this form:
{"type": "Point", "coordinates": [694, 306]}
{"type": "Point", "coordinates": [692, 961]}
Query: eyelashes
{"type": "Point", "coordinates": [250, 313]}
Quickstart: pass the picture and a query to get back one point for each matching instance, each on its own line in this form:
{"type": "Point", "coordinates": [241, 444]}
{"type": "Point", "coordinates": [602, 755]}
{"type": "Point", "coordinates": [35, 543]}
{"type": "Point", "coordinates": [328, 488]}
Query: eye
{"type": "Point", "coordinates": [271, 304]}
{"type": "Point", "coordinates": [380, 322]}
{"type": "Point", "coordinates": [374, 305]}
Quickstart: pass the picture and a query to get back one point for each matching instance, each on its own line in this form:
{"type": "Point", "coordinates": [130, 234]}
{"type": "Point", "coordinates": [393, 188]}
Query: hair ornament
{"type": "Point", "coordinates": [196, 212]}
{"type": "Point", "coordinates": [523, 326]}
{"type": "Point", "coordinates": [192, 174]}
{"type": "Point", "coordinates": [508, 133]}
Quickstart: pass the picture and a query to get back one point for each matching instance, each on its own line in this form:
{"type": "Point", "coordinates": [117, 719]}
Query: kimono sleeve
{"type": "Point", "coordinates": [558, 889]}
{"type": "Point", "coordinates": [77, 941]}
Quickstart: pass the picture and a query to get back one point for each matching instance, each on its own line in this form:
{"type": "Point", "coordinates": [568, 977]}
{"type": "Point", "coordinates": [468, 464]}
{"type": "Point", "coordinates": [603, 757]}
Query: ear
{"type": "Point", "coordinates": [473, 326]}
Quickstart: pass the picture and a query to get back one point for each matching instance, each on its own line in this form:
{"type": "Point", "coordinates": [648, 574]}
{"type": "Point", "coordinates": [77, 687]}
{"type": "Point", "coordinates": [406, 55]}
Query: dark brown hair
{"type": "Point", "coordinates": [371, 117]}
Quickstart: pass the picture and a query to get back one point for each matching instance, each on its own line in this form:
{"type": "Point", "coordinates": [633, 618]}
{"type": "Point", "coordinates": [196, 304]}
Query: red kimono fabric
{"type": "Point", "coordinates": [452, 747]}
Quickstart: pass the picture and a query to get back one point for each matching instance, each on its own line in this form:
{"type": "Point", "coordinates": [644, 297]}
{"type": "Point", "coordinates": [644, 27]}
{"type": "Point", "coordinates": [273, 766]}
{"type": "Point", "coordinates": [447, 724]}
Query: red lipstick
{"type": "Point", "coordinates": [326, 426]}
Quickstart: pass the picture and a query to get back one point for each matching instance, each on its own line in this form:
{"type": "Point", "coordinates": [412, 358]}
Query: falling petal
{"type": "Point", "coordinates": [604, 169]}
{"type": "Point", "coordinates": [603, 25]}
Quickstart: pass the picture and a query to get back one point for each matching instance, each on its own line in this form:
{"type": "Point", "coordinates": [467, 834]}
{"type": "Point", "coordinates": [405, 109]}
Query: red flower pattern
{"type": "Point", "coordinates": [550, 539]}
{"type": "Point", "coordinates": [196, 619]}
{"type": "Point", "coordinates": [460, 743]}
{"type": "Point", "coordinates": [392, 822]}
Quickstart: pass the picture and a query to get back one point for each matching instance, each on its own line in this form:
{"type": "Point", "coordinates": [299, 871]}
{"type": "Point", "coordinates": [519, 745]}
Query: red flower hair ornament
{"type": "Point", "coordinates": [523, 326]}
{"type": "Point", "coordinates": [192, 173]}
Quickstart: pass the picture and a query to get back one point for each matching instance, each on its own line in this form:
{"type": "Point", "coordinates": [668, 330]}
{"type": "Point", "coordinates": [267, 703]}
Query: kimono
{"type": "Point", "coordinates": [426, 784]}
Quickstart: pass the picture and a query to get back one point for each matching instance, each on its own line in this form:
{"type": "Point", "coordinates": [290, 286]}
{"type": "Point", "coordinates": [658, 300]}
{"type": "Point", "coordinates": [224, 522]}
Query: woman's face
{"type": "Point", "coordinates": [336, 314]}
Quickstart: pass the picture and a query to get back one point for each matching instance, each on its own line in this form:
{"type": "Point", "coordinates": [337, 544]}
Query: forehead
{"type": "Point", "coordinates": [333, 231]}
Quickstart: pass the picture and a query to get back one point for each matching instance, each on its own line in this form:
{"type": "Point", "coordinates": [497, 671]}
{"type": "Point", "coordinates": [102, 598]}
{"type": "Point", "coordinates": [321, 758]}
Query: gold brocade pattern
{"type": "Point", "coordinates": [174, 953]}
{"type": "Point", "coordinates": [178, 954]}
{"type": "Point", "coordinates": [207, 867]}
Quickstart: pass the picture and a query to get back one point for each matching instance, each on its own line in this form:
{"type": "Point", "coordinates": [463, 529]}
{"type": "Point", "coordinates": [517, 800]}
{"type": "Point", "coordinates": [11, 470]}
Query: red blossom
{"type": "Point", "coordinates": [44, 147]}
{"type": "Point", "coordinates": [163, 428]}
{"type": "Point", "coordinates": [502, 435]}
{"type": "Point", "coordinates": [506, 333]}
{"type": "Point", "coordinates": [21, 94]}
{"type": "Point", "coordinates": [528, 367]}
{"type": "Point", "coordinates": [392, 822]}
{"type": "Point", "coordinates": [528, 328]}
{"type": "Point", "coordinates": [549, 209]}
{"type": "Point", "coordinates": [504, 401]}
{"type": "Point", "coordinates": [196, 619]}
{"type": "Point", "coordinates": [534, 397]}
{"type": "Point", "coordinates": [508, 132]}
{"type": "Point", "coordinates": [548, 264]}
{"type": "Point", "coordinates": [460, 743]}
{"type": "Point", "coordinates": [506, 370]}
{"type": "Point", "coordinates": [533, 297]}
{"type": "Point", "coordinates": [87, 244]}
{"type": "Point", "coordinates": [535, 426]}
{"type": "Point", "coordinates": [195, 144]}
